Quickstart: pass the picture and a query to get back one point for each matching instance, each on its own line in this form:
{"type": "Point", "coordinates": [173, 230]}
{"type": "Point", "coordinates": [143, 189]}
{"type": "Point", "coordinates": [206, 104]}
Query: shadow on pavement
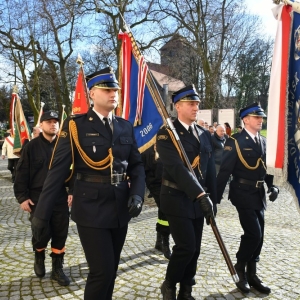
{"type": "Point", "coordinates": [147, 253]}
{"type": "Point", "coordinates": [235, 292]}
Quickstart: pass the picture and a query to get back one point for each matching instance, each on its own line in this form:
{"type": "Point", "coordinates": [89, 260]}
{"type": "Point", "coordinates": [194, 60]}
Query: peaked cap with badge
{"type": "Point", "coordinates": [187, 93]}
{"type": "Point", "coordinates": [103, 79]}
{"type": "Point", "coordinates": [254, 110]}
{"type": "Point", "coordinates": [49, 115]}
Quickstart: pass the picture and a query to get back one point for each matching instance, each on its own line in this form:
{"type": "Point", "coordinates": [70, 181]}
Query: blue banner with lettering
{"type": "Point", "coordinates": [151, 119]}
{"type": "Point", "coordinates": [137, 102]}
{"type": "Point", "coordinates": [294, 109]}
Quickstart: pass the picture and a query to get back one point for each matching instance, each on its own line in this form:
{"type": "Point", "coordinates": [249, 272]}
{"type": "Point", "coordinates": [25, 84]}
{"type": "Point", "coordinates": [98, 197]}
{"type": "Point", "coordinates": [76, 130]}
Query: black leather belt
{"type": "Point", "coordinates": [170, 184]}
{"type": "Point", "coordinates": [258, 184]}
{"type": "Point", "coordinates": [113, 179]}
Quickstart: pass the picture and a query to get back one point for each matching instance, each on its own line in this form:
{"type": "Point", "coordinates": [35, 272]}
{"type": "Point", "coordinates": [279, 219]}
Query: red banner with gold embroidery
{"type": "Point", "coordinates": [81, 102]}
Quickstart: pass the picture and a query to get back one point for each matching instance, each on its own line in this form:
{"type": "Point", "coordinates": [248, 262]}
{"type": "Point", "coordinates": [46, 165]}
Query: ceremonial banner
{"type": "Point", "coordinates": [283, 140]}
{"type": "Point", "coordinates": [81, 99]}
{"type": "Point", "coordinates": [293, 121]}
{"type": "Point", "coordinates": [277, 103]}
{"type": "Point", "coordinates": [22, 131]}
{"type": "Point", "coordinates": [137, 102]}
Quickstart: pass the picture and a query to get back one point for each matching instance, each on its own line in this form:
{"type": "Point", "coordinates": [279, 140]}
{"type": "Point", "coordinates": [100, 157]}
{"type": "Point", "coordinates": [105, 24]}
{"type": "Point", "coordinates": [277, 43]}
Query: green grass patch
{"type": "Point", "coordinates": [263, 132]}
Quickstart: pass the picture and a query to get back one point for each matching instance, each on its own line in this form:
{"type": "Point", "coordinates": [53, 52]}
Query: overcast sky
{"type": "Point", "coordinates": [263, 8]}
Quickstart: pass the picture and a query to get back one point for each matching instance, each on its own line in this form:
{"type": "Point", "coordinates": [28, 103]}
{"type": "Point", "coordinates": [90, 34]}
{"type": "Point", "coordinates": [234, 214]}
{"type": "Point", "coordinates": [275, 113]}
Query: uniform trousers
{"type": "Point", "coordinates": [102, 248]}
{"type": "Point", "coordinates": [187, 235]}
{"type": "Point", "coordinates": [253, 224]}
{"type": "Point", "coordinates": [161, 228]}
{"type": "Point", "coordinates": [12, 166]}
{"type": "Point", "coordinates": [57, 230]}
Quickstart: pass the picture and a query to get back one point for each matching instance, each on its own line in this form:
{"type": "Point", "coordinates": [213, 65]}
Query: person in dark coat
{"type": "Point", "coordinates": [109, 185]}
{"type": "Point", "coordinates": [218, 141]}
{"type": "Point", "coordinates": [183, 196]}
{"type": "Point", "coordinates": [31, 173]}
{"type": "Point", "coordinates": [153, 170]}
{"type": "Point", "coordinates": [245, 158]}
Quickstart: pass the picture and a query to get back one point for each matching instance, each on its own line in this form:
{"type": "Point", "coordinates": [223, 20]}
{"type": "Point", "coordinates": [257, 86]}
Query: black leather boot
{"type": "Point", "coordinates": [168, 290]}
{"type": "Point", "coordinates": [166, 246]}
{"type": "Point", "coordinates": [158, 243]}
{"type": "Point", "coordinates": [242, 285]}
{"type": "Point", "coordinates": [185, 292]}
{"type": "Point", "coordinates": [254, 280]}
{"type": "Point", "coordinates": [39, 263]}
{"type": "Point", "coordinates": [57, 269]}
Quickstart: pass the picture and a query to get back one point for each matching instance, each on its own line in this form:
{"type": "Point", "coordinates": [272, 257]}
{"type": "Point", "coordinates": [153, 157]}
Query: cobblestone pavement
{"type": "Point", "coordinates": [142, 268]}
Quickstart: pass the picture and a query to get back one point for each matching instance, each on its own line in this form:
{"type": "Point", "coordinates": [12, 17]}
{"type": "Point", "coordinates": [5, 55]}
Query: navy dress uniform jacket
{"type": "Point", "coordinates": [153, 169]}
{"type": "Point", "coordinates": [180, 202]}
{"type": "Point", "coordinates": [99, 205]}
{"type": "Point", "coordinates": [244, 195]}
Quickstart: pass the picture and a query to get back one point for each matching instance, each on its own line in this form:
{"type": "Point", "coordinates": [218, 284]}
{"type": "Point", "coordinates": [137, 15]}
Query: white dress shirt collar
{"type": "Point", "coordinates": [252, 135]}
{"type": "Point", "coordinates": [109, 117]}
{"type": "Point", "coordinates": [186, 126]}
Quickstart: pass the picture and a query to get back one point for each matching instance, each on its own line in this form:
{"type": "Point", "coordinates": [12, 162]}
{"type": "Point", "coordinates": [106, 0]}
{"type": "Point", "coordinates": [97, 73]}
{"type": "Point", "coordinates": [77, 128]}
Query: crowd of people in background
{"type": "Point", "coordinates": [219, 134]}
{"type": "Point", "coordinates": [212, 128]}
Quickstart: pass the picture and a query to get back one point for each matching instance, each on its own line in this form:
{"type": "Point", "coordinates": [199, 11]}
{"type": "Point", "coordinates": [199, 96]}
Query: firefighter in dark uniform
{"type": "Point", "coordinates": [244, 157]}
{"type": "Point", "coordinates": [31, 173]}
{"type": "Point", "coordinates": [109, 185]}
{"type": "Point", "coordinates": [153, 170]}
{"type": "Point", "coordinates": [184, 200]}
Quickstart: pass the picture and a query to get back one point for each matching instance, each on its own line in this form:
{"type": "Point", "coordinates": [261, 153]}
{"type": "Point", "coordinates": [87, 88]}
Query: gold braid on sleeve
{"type": "Point", "coordinates": [238, 150]}
{"type": "Point", "coordinates": [99, 165]}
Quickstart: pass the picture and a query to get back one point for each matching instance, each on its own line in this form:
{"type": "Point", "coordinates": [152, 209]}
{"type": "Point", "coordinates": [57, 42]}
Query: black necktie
{"type": "Point", "coordinates": [107, 126]}
{"type": "Point", "coordinates": [191, 131]}
{"type": "Point", "coordinates": [257, 143]}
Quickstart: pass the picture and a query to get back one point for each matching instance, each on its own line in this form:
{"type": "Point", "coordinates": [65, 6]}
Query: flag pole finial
{"type": "Point", "coordinates": [79, 60]}
{"type": "Point", "coordinates": [40, 114]}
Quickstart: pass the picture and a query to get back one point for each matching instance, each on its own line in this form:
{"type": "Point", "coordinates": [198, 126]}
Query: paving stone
{"type": "Point", "coordinates": [142, 268]}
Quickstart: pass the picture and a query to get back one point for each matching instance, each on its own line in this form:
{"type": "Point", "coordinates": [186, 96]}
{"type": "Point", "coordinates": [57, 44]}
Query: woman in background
{"type": "Point", "coordinates": [227, 128]}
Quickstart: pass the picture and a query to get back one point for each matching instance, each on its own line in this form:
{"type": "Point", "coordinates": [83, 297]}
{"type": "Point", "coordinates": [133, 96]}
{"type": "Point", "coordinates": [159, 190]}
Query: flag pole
{"type": "Point", "coordinates": [167, 120]}
{"type": "Point", "coordinates": [62, 118]}
{"type": "Point", "coordinates": [40, 114]}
